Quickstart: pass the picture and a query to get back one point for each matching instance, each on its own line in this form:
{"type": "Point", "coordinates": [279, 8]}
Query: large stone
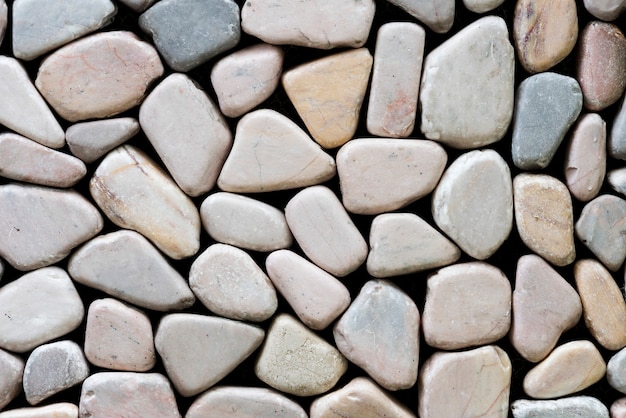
{"type": "Point", "coordinates": [617, 138]}
{"type": "Point", "coordinates": [438, 15]}
{"type": "Point", "coordinates": [380, 333]}
{"type": "Point", "coordinates": [473, 203]}
{"type": "Point", "coordinates": [616, 371]}
{"type": "Point", "coordinates": [468, 85]}
{"type": "Point", "coordinates": [55, 410]}
{"type": "Point", "coordinates": [91, 140]}
{"type": "Point", "coordinates": [11, 372]}
{"type": "Point", "coordinates": [573, 407]}
{"type": "Point", "coordinates": [605, 9]}
{"type": "Point", "coordinates": [98, 76]}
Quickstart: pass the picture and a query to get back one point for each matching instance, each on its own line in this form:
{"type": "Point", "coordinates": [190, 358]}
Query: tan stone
{"type": "Point", "coordinates": [55, 410]}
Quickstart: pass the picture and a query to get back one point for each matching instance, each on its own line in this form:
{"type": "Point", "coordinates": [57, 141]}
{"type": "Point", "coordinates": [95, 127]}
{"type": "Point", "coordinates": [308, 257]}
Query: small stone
{"type": "Point", "coordinates": [4, 17]}
{"type": "Point", "coordinates": [22, 108]}
{"type": "Point", "coordinates": [40, 226]}
{"type": "Point", "coordinates": [618, 408]}
{"type": "Point", "coordinates": [138, 5]}
{"type": "Point", "coordinates": [547, 105]}
{"type": "Point", "coordinates": [617, 139]}
{"type": "Point", "coordinates": [585, 159]}
{"type": "Point", "coordinates": [395, 79]}
{"type": "Point", "coordinates": [55, 410]}
{"type": "Point", "coordinates": [107, 394]}
{"type": "Point", "coordinates": [544, 217]}
{"type": "Point", "coordinates": [468, 86]}
{"type": "Point", "coordinates": [325, 232]}
{"type": "Point", "coordinates": [325, 24]}
{"type": "Point", "coordinates": [188, 33]}
{"type": "Point", "coordinates": [328, 93]}
{"type": "Point", "coordinates": [601, 64]}
{"type": "Point", "coordinates": [314, 295]}
{"type": "Point", "coordinates": [118, 337]}
{"type": "Point", "coordinates": [438, 15]}
{"type": "Point", "coordinates": [603, 304]}
{"type": "Point", "coordinates": [482, 379]}
{"type": "Point", "coordinates": [403, 243]}
{"type": "Point", "coordinates": [380, 333]}
{"type": "Point", "coordinates": [39, 26]}
{"type": "Point", "coordinates": [573, 407]}
{"type": "Point", "coordinates": [124, 264]}
{"type": "Point", "coordinates": [481, 6]}
{"type": "Point", "coordinates": [246, 78]}
{"type": "Point", "coordinates": [545, 32]}
{"type": "Point", "coordinates": [135, 193]}
{"type": "Point", "coordinates": [11, 371]}
{"type": "Point", "coordinates": [617, 180]}
{"type": "Point", "coordinates": [52, 368]}
{"type": "Point", "coordinates": [473, 203]}
{"type": "Point", "coordinates": [544, 306]}
{"type": "Point", "coordinates": [569, 368]}
{"type": "Point", "coordinates": [379, 175]}
{"type": "Point", "coordinates": [359, 398]}
{"type": "Point", "coordinates": [297, 361]}
{"type": "Point", "coordinates": [605, 9]}
{"type": "Point", "coordinates": [602, 228]}
{"type": "Point", "coordinates": [25, 160]}
{"type": "Point", "coordinates": [230, 283]}
{"type": "Point", "coordinates": [91, 140]}
{"type": "Point", "coordinates": [24, 303]}
{"type": "Point", "coordinates": [254, 166]}
{"type": "Point", "coordinates": [616, 371]}
{"type": "Point", "coordinates": [245, 222]}
{"type": "Point", "coordinates": [244, 402]}
{"type": "Point", "coordinates": [98, 76]}
{"type": "Point", "coordinates": [198, 351]}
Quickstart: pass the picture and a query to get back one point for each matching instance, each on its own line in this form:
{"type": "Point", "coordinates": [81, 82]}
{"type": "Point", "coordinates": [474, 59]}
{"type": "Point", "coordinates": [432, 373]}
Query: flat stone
{"type": "Point", "coordinates": [585, 158]}
{"type": "Point", "coordinates": [135, 193]}
{"type": "Point", "coordinates": [569, 368]}
{"type": "Point", "coordinates": [244, 402]}
{"type": "Point", "coordinates": [297, 361]}
{"type": "Point", "coordinates": [544, 306]}
{"type": "Point", "coordinates": [547, 105]}
{"type": "Point", "coordinates": [482, 379]}
{"type": "Point", "coordinates": [246, 78]}
{"type": "Point", "coordinates": [438, 15]}
{"type": "Point", "coordinates": [52, 368]}
{"type": "Point", "coordinates": [230, 283]}
{"type": "Point", "coordinates": [315, 296]}
{"type": "Point", "coordinates": [325, 232]}
{"type": "Point", "coordinates": [198, 351]}
{"type": "Point", "coordinates": [105, 394]}
{"type": "Point", "coordinates": [601, 64]}
{"type": "Point", "coordinates": [545, 32]}
{"type": "Point", "coordinates": [601, 227]}
{"type": "Point", "coordinates": [616, 371]}
{"type": "Point", "coordinates": [359, 398]}
{"type": "Point", "coordinates": [389, 354]}
{"type": "Point", "coordinates": [55, 410]}
{"type": "Point", "coordinates": [118, 337]}
{"type": "Point", "coordinates": [473, 203]}
{"type": "Point", "coordinates": [404, 243]}
{"type": "Point", "coordinates": [39, 26]}
{"type": "Point", "coordinates": [395, 79]}
{"type": "Point", "coordinates": [40, 226]}
{"type": "Point", "coordinates": [125, 265]}
{"type": "Point", "coordinates": [45, 293]}
{"type": "Point", "coordinates": [325, 24]}
{"type": "Point", "coordinates": [573, 407]}
{"type": "Point", "coordinates": [481, 6]}
{"type": "Point", "coordinates": [98, 76]}
{"type": "Point", "coordinates": [328, 93]}
{"type": "Point", "coordinates": [544, 217]}
{"type": "Point", "coordinates": [379, 175]}
{"type": "Point", "coordinates": [467, 87]}
{"type": "Point", "coordinates": [603, 304]}
{"type": "Point", "coordinates": [23, 110]}
{"type": "Point", "coordinates": [618, 408]}
{"type": "Point", "coordinates": [11, 372]}
{"type": "Point", "coordinates": [138, 5]}
{"type": "Point", "coordinates": [91, 140]}
{"type": "Point", "coordinates": [605, 9]}
{"type": "Point", "coordinates": [254, 165]}
{"type": "Point", "coordinates": [617, 138]}
{"type": "Point", "coordinates": [188, 33]}
{"type": "Point", "coordinates": [177, 117]}
{"type": "Point", "coordinates": [245, 222]}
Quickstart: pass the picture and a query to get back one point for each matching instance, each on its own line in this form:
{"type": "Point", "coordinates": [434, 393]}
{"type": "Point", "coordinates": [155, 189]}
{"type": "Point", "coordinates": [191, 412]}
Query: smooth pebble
{"type": "Point", "coordinates": [572, 407]}
{"type": "Point", "coordinates": [11, 373]}
{"type": "Point", "coordinates": [438, 15]}
{"type": "Point", "coordinates": [91, 140]}
{"type": "Point", "coordinates": [55, 410]}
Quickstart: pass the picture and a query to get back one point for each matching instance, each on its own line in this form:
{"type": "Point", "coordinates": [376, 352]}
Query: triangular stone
{"type": "Point", "coordinates": [91, 140]}
{"type": "Point", "coordinates": [270, 152]}
{"type": "Point", "coordinates": [328, 93]}
{"type": "Point", "coordinates": [438, 15]}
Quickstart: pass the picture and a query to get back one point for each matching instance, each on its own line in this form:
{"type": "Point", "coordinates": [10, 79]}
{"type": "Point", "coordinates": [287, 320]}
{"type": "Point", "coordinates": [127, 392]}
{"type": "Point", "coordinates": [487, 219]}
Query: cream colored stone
{"type": "Point", "coordinates": [55, 410]}
{"type": "Point", "coordinates": [91, 140]}
{"type": "Point", "coordinates": [11, 372]}
{"type": "Point", "coordinates": [482, 6]}
{"type": "Point", "coordinates": [438, 15]}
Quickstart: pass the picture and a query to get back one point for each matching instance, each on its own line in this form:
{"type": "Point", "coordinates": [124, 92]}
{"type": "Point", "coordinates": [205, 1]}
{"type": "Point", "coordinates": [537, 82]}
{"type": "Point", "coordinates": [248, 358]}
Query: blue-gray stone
{"type": "Point", "coordinates": [547, 105]}
{"type": "Point", "coordinates": [617, 139]}
{"type": "Point", "coordinates": [573, 407]}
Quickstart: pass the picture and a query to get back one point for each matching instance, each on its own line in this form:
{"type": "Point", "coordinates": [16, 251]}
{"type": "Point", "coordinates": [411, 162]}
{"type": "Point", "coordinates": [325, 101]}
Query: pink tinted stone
{"type": "Point", "coordinates": [244, 79]}
{"type": "Point", "coordinates": [98, 76]}
{"type": "Point", "coordinates": [618, 408]}
{"type": "Point", "coordinates": [314, 295]}
{"type": "Point", "coordinates": [138, 5]}
{"type": "Point", "coordinates": [55, 410]}
{"type": "Point", "coordinates": [91, 140]}
{"type": "Point", "coordinates": [438, 15]}
{"type": "Point", "coordinates": [11, 372]}
{"type": "Point", "coordinates": [605, 9]}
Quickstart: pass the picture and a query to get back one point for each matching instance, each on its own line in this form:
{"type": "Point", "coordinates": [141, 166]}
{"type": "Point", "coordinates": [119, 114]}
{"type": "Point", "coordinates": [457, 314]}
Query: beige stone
{"type": "Point", "coordinates": [91, 140]}
{"type": "Point", "coordinates": [438, 15]}
{"type": "Point", "coordinates": [11, 373]}
{"type": "Point", "coordinates": [55, 410]}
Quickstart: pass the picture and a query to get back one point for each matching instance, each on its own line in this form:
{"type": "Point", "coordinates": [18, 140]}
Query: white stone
{"type": "Point", "coordinates": [438, 15]}
{"type": "Point", "coordinates": [572, 407]}
{"type": "Point", "coordinates": [481, 6]}
{"type": "Point", "coordinates": [55, 410]}
{"type": "Point", "coordinates": [11, 372]}
{"type": "Point", "coordinates": [605, 9]}
{"type": "Point", "coordinates": [91, 140]}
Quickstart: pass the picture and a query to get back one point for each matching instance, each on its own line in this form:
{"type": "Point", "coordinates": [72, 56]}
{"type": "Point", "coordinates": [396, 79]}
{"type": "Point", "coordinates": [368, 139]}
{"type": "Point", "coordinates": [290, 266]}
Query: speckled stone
{"type": "Point", "coordinates": [605, 9]}
{"type": "Point", "coordinates": [573, 407]}
{"type": "Point", "coordinates": [617, 138]}
{"type": "Point", "coordinates": [438, 15]}
{"type": "Point", "coordinates": [11, 372]}
{"type": "Point", "coordinates": [55, 410]}
{"type": "Point", "coordinates": [91, 140]}
{"type": "Point", "coordinates": [481, 6]}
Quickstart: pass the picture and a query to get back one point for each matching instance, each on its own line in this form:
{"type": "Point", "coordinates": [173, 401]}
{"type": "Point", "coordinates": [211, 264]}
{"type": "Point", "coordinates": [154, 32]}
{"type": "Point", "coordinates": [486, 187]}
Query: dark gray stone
{"type": "Point", "coordinates": [617, 139]}
{"type": "Point", "coordinates": [573, 407]}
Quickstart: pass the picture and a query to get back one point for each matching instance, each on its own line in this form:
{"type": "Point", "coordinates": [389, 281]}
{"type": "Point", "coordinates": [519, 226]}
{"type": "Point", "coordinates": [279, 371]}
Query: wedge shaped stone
{"type": "Point", "coordinates": [91, 140]}
{"type": "Point", "coordinates": [11, 372]}
{"type": "Point", "coordinates": [616, 371]}
{"type": "Point", "coordinates": [378, 175]}
{"type": "Point", "coordinates": [55, 410]}
{"type": "Point", "coordinates": [438, 15]}
{"type": "Point", "coordinates": [270, 153]}
{"type": "Point", "coordinates": [135, 193]}
{"type": "Point", "coordinates": [575, 406]}
{"type": "Point", "coordinates": [198, 351]}
{"type": "Point", "coordinates": [328, 93]}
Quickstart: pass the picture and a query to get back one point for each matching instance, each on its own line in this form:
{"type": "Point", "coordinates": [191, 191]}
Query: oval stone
{"type": "Point", "coordinates": [55, 410]}
{"type": "Point", "coordinates": [575, 406]}
{"type": "Point", "coordinates": [605, 9]}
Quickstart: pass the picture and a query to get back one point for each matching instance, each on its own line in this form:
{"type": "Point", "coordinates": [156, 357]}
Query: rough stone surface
{"type": "Point", "coordinates": [618, 408]}
{"type": "Point", "coordinates": [605, 9]}
{"type": "Point", "coordinates": [91, 140]}
{"type": "Point", "coordinates": [481, 6]}
{"type": "Point", "coordinates": [438, 15]}
{"type": "Point", "coordinates": [616, 371]}
{"type": "Point", "coordinates": [379, 175]}
{"type": "Point", "coordinates": [11, 372]}
{"type": "Point", "coordinates": [573, 407]}
{"type": "Point", "coordinates": [617, 138]}
{"type": "Point", "coordinates": [55, 410]}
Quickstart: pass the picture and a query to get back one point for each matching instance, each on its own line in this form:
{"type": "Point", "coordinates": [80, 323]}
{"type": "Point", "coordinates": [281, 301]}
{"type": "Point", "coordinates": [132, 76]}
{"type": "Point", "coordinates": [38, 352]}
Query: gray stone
{"type": "Point", "coordinates": [617, 180]}
{"type": "Point", "coordinates": [11, 372]}
{"type": "Point", "coordinates": [605, 9]}
{"type": "Point", "coordinates": [55, 410]}
{"type": "Point", "coordinates": [91, 140]}
{"type": "Point", "coordinates": [438, 15]}
{"type": "Point", "coordinates": [4, 17]}
{"type": "Point", "coordinates": [190, 32]}
{"type": "Point", "coordinates": [572, 407]}
{"type": "Point", "coordinates": [547, 105]}
{"type": "Point", "coordinates": [138, 5]}
{"type": "Point", "coordinates": [617, 137]}
{"type": "Point", "coordinates": [616, 371]}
